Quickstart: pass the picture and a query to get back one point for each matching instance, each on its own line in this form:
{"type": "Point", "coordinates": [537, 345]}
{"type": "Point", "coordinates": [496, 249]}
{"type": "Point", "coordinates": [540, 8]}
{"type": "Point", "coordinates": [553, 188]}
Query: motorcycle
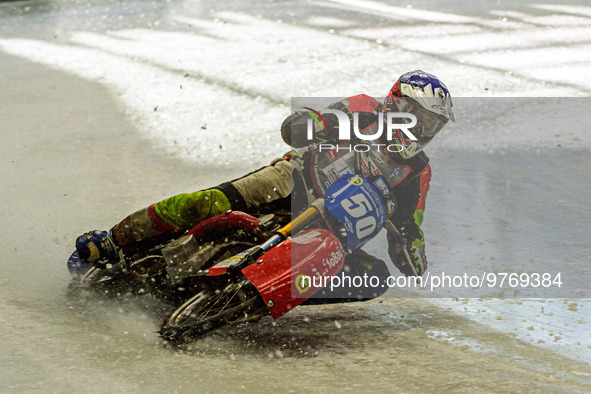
{"type": "Point", "coordinates": [237, 267]}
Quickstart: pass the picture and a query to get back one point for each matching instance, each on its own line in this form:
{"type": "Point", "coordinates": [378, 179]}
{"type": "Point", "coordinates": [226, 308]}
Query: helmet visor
{"type": "Point", "coordinates": [428, 123]}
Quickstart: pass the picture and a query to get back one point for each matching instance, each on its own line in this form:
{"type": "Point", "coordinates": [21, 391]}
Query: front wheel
{"type": "Point", "coordinates": [209, 310]}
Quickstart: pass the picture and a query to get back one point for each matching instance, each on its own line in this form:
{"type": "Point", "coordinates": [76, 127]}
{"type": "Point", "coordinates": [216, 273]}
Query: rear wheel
{"type": "Point", "coordinates": [209, 310]}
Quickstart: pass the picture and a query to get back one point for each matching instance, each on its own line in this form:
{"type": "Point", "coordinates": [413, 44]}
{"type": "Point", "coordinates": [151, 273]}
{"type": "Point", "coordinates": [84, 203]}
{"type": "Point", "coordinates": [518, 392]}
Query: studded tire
{"type": "Point", "coordinates": [213, 309]}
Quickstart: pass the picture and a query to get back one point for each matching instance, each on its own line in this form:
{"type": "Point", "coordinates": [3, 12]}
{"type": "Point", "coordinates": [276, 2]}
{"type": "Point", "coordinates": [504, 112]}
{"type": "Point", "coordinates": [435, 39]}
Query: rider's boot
{"type": "Point", "coordinates": [97, 248]}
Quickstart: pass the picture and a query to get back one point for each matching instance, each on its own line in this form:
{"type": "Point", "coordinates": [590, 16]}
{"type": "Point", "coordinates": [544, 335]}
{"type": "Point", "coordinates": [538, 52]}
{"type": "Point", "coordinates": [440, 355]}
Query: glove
{"type": "Point", "coordinates": [97, 248]}
{"type": "Point", "coordinates": [410, 230]}
{"type": "Point", "coordinates": [409, 259]}
{"type": "Point", "coordinates": [419, 260]}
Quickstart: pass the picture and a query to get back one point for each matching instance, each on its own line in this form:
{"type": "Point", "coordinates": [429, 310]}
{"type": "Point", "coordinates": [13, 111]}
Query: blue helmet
{"type": "Point", "coordinates": [425, 96]}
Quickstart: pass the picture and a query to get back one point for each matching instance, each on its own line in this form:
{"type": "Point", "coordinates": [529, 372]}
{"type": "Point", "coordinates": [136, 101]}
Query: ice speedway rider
{"type": "Point", "coordinates": [402, 176]}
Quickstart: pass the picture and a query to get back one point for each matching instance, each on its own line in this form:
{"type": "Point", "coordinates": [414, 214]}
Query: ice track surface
{"type": "Point", "coordinates": [109, 107]}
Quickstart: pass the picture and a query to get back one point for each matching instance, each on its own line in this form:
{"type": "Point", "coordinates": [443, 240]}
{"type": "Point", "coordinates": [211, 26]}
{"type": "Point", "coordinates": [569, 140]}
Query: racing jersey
{"type": "Point", "coordinates": [403, 183]}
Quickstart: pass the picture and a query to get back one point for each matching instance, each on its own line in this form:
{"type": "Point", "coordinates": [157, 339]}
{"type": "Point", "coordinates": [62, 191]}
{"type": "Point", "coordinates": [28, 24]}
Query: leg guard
{"type": "Point", "coordinates": [186, 210]}
{"type": "Point", "coordinates": [176, 213]}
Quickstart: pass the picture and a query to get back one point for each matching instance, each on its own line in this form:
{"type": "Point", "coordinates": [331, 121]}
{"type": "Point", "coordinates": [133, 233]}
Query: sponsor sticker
{"type": "Point", "coordinates": [395, 173]}
{"type": "Point", "coordinates": [332, 260]}
{"type": "Point", "coordinates": [302, 283]}
{"type": "Point", "coordinates": [302, 239]}
{"type": "Point", "coordinates": [230, 261]}
{"type": "Point", "coordinates": [333, 155]}
{"type": "Point", "coordinates": [390, 206]}
{"type": "Point", "coordinates": [380, 183]}
{"type": "Point", "coordinates": [378, 158]}
{"type": "Point", "coordinates": [356, 180]}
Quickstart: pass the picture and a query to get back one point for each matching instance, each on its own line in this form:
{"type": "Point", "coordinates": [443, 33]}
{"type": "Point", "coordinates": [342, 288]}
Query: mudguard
{"type": "Point", "coordinates": [280, 274]}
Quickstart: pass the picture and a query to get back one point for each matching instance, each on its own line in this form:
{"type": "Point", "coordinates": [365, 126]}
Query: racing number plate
{"type": "Point", "coordinates": [357, 204]}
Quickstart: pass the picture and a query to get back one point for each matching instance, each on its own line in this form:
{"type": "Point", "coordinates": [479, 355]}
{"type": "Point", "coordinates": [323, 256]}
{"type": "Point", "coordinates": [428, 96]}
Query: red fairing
{"type": "Point", "coordinates": [316, 252]}
{"type": "Point", "coordinates": [217, 270]}
{"type": "Point", "coordinates": [232, 218]}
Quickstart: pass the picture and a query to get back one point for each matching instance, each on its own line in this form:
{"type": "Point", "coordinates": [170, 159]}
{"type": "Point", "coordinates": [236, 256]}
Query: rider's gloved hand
{"type": "Point", "coordinates": [97, 248]}
{"type": "Point", "coordinates": [410, 231]}
{"type": "Point", "coordinates": [419, 260]}
{"type": "Point", "coordinates": [409, 259]}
